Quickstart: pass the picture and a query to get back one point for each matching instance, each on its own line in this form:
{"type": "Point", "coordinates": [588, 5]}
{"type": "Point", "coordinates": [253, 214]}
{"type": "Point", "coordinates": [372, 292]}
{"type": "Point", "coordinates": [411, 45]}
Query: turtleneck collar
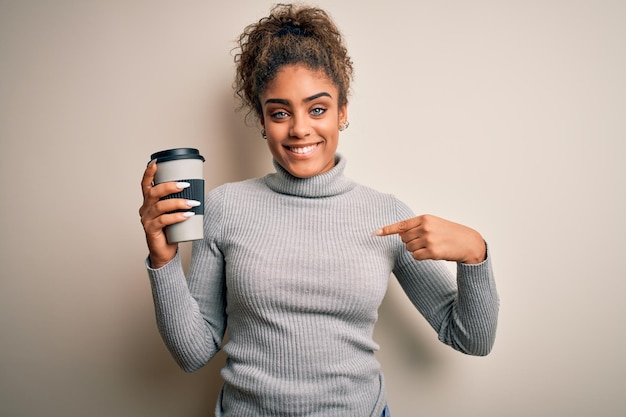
{"type": "Point", "coordinates": [328, 184]}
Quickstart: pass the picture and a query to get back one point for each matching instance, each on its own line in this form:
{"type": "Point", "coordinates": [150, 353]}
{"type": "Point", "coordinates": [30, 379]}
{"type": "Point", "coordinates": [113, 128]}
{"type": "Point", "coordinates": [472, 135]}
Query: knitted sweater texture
{"type": "Point", "coordinates": [291, 268]}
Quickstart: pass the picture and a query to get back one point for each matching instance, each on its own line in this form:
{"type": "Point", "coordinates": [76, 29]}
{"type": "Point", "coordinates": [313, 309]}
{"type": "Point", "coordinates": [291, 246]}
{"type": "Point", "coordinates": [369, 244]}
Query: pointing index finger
{"type": "Point", "coordinates": [393, 229]}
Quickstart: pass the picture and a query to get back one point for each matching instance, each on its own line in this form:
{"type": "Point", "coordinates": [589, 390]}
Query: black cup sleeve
{"type": "Point", "coordinates": [193, 192]}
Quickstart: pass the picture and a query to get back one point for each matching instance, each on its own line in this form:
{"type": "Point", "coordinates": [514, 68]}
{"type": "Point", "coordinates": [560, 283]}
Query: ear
{"type": "Point", "coordinates": [343, 114]}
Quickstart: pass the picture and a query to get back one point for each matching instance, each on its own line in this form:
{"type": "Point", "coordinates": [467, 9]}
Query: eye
{"type": "Point", "coordinates": [279, 115]}
{"type": "Point", "coordinates": [318, 111]}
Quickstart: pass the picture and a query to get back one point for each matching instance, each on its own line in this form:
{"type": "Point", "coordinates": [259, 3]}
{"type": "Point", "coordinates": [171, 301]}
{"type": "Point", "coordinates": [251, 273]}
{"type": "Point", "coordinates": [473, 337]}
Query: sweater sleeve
{"type": "Point", "coordinates": [463, 311]}
{"type": "Point", "coordinates": [190, 311]}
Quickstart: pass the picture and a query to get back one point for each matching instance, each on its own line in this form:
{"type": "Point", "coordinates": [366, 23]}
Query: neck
{"type": "Point", "coordinates": [328, 184]}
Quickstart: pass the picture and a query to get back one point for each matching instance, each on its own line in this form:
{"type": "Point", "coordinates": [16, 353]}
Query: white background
{"type": "Point", "coordinates": [507, 116]}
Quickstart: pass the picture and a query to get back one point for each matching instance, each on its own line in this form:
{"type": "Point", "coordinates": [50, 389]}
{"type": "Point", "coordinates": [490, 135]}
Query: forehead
{"type": "Point", "coordinates": [293, 81]}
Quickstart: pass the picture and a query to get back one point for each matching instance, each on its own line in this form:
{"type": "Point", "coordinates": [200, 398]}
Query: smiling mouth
{"type": "Point", "coordinates": [303, 150]}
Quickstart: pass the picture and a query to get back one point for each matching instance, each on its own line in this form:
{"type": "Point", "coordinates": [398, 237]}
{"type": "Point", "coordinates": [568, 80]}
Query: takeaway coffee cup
{"type": "Point", "coordinates": [183, 165]}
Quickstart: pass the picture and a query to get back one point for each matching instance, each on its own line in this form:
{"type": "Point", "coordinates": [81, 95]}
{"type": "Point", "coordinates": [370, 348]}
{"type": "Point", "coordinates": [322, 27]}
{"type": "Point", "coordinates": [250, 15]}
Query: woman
{"type": "Point", "coordinates": [296, 264]}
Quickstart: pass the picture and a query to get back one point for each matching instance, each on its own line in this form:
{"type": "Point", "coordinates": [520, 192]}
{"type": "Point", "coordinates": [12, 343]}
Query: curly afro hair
{"type": "Point", "coordinates": [290, 35]}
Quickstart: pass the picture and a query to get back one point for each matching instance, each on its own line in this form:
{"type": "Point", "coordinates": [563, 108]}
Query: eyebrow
{"type": "Point", "coordinates": [306, 100]}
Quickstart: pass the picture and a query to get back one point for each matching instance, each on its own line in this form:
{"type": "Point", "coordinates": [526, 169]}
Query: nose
{"type": "Point", "coordinates": [300, 127]}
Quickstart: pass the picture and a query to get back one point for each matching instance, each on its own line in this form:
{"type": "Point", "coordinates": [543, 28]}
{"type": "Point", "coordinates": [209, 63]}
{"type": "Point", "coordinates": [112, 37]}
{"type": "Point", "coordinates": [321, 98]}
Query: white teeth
{"type": "Point", "coordinates": [303, 150]}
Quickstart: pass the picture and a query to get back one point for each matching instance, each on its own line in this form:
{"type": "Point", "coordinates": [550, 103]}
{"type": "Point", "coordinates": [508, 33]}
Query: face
{"type": "Point", "coordinates": [301, 116]}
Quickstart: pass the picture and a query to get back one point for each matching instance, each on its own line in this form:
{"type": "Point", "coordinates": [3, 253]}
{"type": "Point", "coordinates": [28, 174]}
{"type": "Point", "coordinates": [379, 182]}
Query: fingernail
{"type": "Point", "coordinates": [189, 214]}
{"type": "Point", "coordinates": [377, 232]}
{"type": "Point", "coordinates": [193, 203]}
{"type": "Point", "coordinates": [182, 185]}
{"type": "Point", "coordinates": [152, 162]}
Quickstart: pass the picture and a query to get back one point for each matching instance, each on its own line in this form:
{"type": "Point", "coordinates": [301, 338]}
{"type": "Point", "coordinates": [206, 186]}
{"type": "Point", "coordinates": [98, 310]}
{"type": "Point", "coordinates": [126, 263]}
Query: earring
{"type": "Point", "coordinates": [264, 134]}
{"type": "Point", "coordinates": [344, 125]}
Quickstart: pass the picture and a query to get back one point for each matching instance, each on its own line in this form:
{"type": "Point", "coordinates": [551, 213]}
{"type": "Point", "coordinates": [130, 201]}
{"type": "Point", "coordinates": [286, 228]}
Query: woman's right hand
{"type": "Point", "coordinates": [156, 214]}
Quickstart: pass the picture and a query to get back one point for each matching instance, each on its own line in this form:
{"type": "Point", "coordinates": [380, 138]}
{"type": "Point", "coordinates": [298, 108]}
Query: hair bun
{"type": "Point", "coordinates": [291, 28]}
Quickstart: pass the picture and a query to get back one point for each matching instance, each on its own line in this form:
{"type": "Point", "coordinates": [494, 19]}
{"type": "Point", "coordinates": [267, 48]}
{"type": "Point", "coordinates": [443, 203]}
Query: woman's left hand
{"type": "Point", "coordinates": [431, 237]}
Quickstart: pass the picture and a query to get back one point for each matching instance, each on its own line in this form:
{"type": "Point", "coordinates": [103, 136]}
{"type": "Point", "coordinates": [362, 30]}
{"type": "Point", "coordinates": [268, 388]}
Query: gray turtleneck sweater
{"type": "Point", "coordinates": [291, 268]}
